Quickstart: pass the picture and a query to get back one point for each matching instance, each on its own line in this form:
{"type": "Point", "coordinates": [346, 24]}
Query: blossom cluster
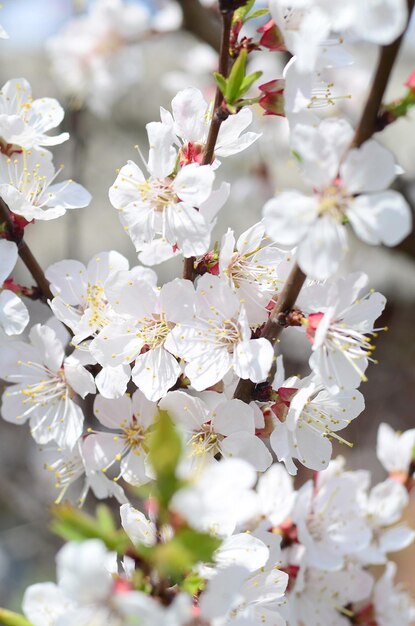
{"type": "Point", "coordinates": [285, 556]}
{"type": "Point", "coordinates": [227, 539]}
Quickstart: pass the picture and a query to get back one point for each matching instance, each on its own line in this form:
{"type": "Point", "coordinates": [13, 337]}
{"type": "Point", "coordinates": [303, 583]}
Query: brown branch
{"type": "Point", "coordinates": [24, 251]}
{"type": "Point", "coordinates": [201, 22]}
{"type": "Point", "coordinates": [218, 117]}
{"type": "Point", "coordinates": [366, 128]}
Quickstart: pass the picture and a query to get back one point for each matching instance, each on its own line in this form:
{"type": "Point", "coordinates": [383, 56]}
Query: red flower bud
{"type": "Point", "coordinates": [271, 37]}
{"type": "Point", "coordinates": [410, 83]}
{"type": "Point", "coordinates": [273, 99]}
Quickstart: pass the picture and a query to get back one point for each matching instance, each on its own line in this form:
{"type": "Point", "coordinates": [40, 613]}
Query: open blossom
{"type": "Point", "coordinates": [236, 596]}
{"type": "Point", "coordinates": [97, 56]}
{"type": "Point", "coordinates": [161, 208]}
{"type": "Point", "coordinates": [44, 384]}
{"type": "Point", "coordinates": [80, 300]}
{"type": "Point", "coordinates": [14, 315]}
{"type": "Point", "coordinates": [318, 597]}
{"type": "Point", "coordinates": [214, 337]}
{"type": "Point", "coordinates": [307, 417]}
{"type": "Point", "coordinates": [190, 121]}
{"type": "Point", "coordinates": [391, 605]}
{"type": "Point", "coordinates": [129, 419]}
{"type": "Point", "coordinates": [256, 270]}
{"type": "Point", "coordinates": [139, 333]}
{"type": "Point", "coordinates": [225, 427]}
{"type": "Point", "coordinates": [383, 508]}
{"type": "Point", "coordinates": [28, 188]}
{"type": "Point", "coordinates": [330, 523]}
{"type": "Point", "coordinates": [395, 450]}
{"type": "Point", "coordinates": [219, 497]}
{"type": "Point", "coordinates": [24, 121]}
{"type": "Point", "coordinates": [77, 465]}
{"type": "Point", "coordinates": [308, 25]}
{"type": "Point", "coordinates": [340, 320]}
{"type": "Point", "coordinates": [347, 189]}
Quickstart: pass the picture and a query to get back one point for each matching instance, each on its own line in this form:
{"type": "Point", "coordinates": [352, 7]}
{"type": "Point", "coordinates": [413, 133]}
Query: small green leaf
{"type": "Point", "coordinates": [241, 13]}
{"type": "Point", "coordinates": [220, 81]}
{"type": "Point", "coordinates": [297, 156]}
{"type": "Point", "coordinates": [236, 77]}
{"type": "Point", "coordinates": [8, 618]}
{"type": "Point", "coordinates": [248, 82]}
{"type": "Point", "coordinates": [193, 583]}
{"type": "Point", "coordinates": [105, 518]}
{"type": "Point", "coordinates": [165, 449]}
{"type": "Point", "coordinates": [257, 13]}
{"type": "Point", "coordinates": [75, 525]}
{"type": "Point", "coordinates": [179, 555]}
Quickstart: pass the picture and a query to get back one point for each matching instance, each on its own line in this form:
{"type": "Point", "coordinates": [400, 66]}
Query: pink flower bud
{"type": "Point", "coordinates": [271, 37]}
{"type": "Point", "coordinates": [273, 99]}
{"type": "Point", "coordinates": [410, 83]}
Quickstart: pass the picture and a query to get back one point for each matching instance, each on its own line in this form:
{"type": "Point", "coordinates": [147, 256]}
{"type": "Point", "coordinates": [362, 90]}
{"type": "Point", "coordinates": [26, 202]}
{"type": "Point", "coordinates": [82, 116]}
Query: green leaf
{"type": "Point", "coordinates": [257, 13]}
{"type": "Point", "coordinates": [220, 81]}
{"type": "Point", "coordinates": [105, 518]}
{"type": "Point", "coordinates": [165, 449]}
{"type": "Point", "coordinates": [179, 555]}
{"type": "Point", "coordinates": [241, 13]}
{"type": "Point", "coordinates": [248, 81]}
{"type": "Point", "coordinates": [236, 78]}
{"type": "Point", "coordinates": [75, 525]}
{"type": "Point", "coordinates": [8, 618]}
{"type": "Point", "coordinates": [193, 583]}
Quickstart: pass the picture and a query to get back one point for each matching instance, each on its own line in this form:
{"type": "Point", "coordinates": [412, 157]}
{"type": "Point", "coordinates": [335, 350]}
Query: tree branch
{"type": "Point", "coordinates": [217, 117]}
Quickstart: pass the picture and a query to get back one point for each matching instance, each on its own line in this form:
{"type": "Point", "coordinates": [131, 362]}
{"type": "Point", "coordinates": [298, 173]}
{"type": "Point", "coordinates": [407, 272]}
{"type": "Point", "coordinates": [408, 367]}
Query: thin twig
{"type": "Point", "coordinates": [366, 128]}
{"type": "Point", "coordinates": [24, 252]}
{"type": "Point", "coordinates": [217, 118]}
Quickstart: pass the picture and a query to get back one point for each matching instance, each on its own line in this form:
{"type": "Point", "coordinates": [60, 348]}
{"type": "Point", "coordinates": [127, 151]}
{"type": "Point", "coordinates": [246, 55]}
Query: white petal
{"type": "Point", "coordinates": [368, 168]}
{"type": "Point", "coordinates": [14, 316]}
{"type": "Point", "coordinates": [155, 372]}
{"type": "Point", "coordinates": [289, 216]}
{"type": "Point", "coordinates": [381, 218]}
{"type": "Point", "coordinates": [320, 253]}
{"type": "Point", "coordinates": [253, 359]}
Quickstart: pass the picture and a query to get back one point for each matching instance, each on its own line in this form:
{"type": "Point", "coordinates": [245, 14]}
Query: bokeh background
{"type": "Point", "coordinates": [99, 145]}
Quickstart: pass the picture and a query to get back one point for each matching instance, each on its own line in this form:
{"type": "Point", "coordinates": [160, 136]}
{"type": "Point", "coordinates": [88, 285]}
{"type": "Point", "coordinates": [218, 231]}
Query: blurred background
{"type": "Point", "coordinates": [108, 103]}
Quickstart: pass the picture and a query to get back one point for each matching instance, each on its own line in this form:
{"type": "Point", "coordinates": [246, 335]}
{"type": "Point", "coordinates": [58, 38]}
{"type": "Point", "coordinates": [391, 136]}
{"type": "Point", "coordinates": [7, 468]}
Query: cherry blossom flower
{"type": "Point", "coordinates": [392, 605]}
{"type": "Point", "coordinates": [339, 329]}
{"type": "Point", "coordinates": [161, 209]}
{"type": "Point", "coordinates": [320, 597]}
{"type": "Point", "coordinates": [190, 121]}
{"type": "Point", "coordinates": [308, 25]}
{"type": "Point", "coordinates": [44, 385]}
{"type": "Point", "coordinates": [80, 301]}
{"type": "Point", "coordinates": [70, 466]}
{"type": "Point", "coordinates": [395, 450]}
{"type": "Point", "coordinates": [347, 189]}
{"type": "Point", "coordinates": [27, 186]}
{"type": "Point", "coordinates": [255, 271]}
{"type": "Point", "coordinates": [215, 337]}
{"type": "Point", "coordinates": [307, 416]}
{"type": "Point", "coordinates": [97, 56]}
{"type": "Point", "coordinates": [139, 334]}
{"type": "Point", "coordinates": [14, 315]}
{"type": "Point", "coordinates": [383, 508]}
{"type": "Point", "coordinates": [224, 427]}
{"type": "Point", "coordinates": [24, 121]}
{"type": "Point", "coordinates": [219, 497]}
{"type": "Point", "coordinates": [330, 523]}
{"type": "Point", "coordinates": [129, 419]}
